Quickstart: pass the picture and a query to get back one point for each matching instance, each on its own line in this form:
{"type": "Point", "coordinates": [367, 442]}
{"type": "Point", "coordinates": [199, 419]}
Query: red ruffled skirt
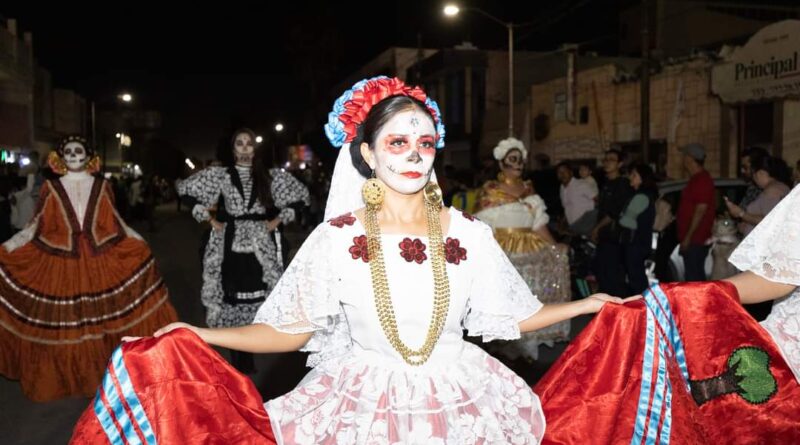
{"type": "Point", "coordinates": [687, 365]}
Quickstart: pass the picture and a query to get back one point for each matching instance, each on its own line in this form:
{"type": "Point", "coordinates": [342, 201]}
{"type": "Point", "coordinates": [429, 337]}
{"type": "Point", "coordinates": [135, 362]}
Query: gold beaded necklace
{"type": "Point", "coordinates": [380, 283]}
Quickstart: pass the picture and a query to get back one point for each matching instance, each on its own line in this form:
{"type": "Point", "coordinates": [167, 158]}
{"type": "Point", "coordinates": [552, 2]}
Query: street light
{"type": "Point", "coordinates": [259, 139]}
{"type": "Point", "coordinates": [124, 97]}
{"type": "Point", "coordinates": [279, 127]}
{"type": "Point", "coordinates": [452, 10]}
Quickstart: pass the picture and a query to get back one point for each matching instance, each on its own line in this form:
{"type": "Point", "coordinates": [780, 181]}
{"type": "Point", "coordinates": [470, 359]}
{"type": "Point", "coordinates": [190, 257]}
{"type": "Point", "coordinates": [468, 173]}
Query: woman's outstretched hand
{"type": "Point", "coordinates": [169, 328]}
{"type": "Point", "coordinates": [593, 303]}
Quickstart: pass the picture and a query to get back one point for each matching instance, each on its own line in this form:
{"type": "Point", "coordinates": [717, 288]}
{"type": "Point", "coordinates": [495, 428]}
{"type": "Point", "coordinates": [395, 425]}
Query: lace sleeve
{"type": "Point", "coordinates": [772, 249]}
{"type": "Point", "coordinates": [204, 186]}
{"type": "Point", "coordinates": [499, 298]}
{"type": "Point", "coordinates": [287, 190]}
{"type": "Point", "coordinates": [304, 301]}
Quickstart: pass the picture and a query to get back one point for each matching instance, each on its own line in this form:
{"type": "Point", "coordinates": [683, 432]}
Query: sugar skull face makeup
{"type": "Point", "coordinates": [243, 149]}
{"type": "Point", "coordinates": [404, 152]}
{"type": "Point", "coordinates": [513, 163]}
{"type": "Point", "coordinates": [75, 156]}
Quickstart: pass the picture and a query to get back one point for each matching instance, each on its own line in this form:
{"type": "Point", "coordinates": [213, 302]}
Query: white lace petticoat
{"type": "Point", "coordinates": [363, 399]}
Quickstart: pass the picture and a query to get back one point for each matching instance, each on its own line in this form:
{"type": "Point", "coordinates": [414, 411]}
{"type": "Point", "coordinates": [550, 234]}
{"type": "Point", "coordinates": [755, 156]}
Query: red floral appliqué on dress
{"type": "Point", "coordinates": [468, 216]}
{"type": "Point", "coordinates": [453, 251]}
{"type": "Point", "coordinates": [413, 250]}
{"type": "Point", "coordinates": [359, 248]}
{"type": "Point", "coordinates": [341, 220]}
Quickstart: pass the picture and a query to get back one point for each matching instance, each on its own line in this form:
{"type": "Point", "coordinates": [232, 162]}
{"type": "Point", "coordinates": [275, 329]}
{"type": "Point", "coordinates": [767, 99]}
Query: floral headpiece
{"type": "Point", "coordinates": [352, 107]}
{"type": "Point", "coordinates": [56, 161]}
{"type": "Point", "coordinates": [506, 145]}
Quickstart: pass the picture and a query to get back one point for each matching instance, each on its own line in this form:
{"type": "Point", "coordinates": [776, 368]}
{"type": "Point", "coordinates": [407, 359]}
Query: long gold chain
{"type": "Point", "coordinates": [380, 285]}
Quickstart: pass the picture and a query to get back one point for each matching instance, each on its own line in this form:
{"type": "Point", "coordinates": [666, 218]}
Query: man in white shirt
{"type": "Point", "coordinates": [578, 199]}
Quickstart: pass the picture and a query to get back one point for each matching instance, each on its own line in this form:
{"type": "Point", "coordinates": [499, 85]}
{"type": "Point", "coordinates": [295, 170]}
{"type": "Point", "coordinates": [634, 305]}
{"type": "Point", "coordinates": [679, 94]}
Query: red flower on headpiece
{"type": "Point", "coordinates": [374, 91]}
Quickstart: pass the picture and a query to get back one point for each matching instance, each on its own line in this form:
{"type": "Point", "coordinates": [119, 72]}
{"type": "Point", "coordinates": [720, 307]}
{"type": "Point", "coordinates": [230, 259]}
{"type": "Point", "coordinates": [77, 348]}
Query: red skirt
{"type": "Point", "coordinates": [173, 389]}
{"type": "Point", "coordinates": [687, 365]}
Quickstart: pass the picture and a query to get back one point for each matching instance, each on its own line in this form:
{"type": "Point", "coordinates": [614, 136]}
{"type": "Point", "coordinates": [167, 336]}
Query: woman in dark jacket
{"type": "Point", "coordinates": [636, 222]}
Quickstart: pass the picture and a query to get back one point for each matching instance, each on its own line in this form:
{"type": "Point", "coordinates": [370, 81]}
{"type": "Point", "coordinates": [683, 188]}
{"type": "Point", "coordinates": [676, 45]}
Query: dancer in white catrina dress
{"type": "Point", "coordinates": [380, 297]}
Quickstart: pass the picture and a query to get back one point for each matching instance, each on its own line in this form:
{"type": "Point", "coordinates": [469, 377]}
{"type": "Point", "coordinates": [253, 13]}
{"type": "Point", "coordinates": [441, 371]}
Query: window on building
{"type": "Point", "coordinates": [583, 116]}
{"type": "Point", "coordinates": [455, 99]}
{"type": "Point", "coordinates": [560, 111]}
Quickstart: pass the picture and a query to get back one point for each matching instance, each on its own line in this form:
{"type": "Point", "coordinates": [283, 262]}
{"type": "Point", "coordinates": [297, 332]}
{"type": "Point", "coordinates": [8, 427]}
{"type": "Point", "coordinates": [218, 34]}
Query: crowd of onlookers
{"type": "Point", "coordinates": [620, 211]}
{"type": "Point", "coordinates": [616, 209]}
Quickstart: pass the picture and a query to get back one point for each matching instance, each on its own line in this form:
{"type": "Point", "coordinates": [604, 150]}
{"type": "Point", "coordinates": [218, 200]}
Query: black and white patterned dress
{"type": "Point", "coordinates": [241, 263]}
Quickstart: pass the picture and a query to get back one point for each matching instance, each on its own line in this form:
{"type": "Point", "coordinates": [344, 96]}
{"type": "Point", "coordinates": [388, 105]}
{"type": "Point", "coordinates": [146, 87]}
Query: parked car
{"type": "Point", "coordinates": [666, 264]}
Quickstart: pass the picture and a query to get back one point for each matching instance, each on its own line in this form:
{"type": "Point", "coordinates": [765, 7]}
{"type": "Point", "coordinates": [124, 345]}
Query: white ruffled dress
{"type": "Point", "coordinates": [772, 250]}
{"type": "Point", "coordinates": [360, 391]}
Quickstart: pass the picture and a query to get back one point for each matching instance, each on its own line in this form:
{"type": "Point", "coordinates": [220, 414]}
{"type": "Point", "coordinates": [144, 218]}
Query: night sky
{"type": "Point", "coordinates": [259, 62]}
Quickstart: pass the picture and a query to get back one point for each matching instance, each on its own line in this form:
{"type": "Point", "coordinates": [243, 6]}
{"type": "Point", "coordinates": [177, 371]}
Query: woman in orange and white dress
{"type": "Point", "coordinates": [73, 282]}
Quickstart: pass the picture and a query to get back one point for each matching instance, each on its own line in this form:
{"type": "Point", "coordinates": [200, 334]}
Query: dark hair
{"type": "Point", "coordinates": [74, 138]}
{"type": "Point", "coordinates": [755, 152]}
{"type": "Point", "coordinates": [566, 165]}
{"type": "Point", "coordinates": [262, 179]}
{"type": "Point", "coordinates": [543, 160]}
{"type": "Point", "coordinates": [618, 153]}
{"type": "Point", "coordinates": [774, 166]}
{"type": "Point", "coordinates": [377, 117]}
{"type": "Point", "coordinates": [645, 172]}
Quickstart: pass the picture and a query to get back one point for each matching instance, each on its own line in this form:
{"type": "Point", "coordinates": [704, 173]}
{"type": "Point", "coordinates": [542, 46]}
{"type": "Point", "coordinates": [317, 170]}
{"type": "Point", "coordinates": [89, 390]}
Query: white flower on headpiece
{"type": "Point", "coordinates": [506, 145]}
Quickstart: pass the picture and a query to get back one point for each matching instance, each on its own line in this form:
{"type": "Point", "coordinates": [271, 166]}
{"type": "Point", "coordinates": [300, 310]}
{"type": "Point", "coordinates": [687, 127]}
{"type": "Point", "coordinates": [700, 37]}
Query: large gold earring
{"type": "Point", "coordinates": [372, 191]}
{"type": "Point", "coordinates": [433, 194]}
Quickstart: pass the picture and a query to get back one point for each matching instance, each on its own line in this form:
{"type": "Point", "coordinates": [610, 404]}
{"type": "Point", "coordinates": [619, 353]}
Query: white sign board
{"type": "Point", "coordinates": [767, 67]}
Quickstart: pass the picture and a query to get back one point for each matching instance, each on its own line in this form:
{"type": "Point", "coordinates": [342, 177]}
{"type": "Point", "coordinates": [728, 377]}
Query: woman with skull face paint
{"type": "Point", "coordinates": [243, 258]}
{"type": "Point", "coordinates": [519, 219]}
{"type": "Point", "coordinates": [73, 282]}
{"type": "Point", "coordinates": [380, 296]}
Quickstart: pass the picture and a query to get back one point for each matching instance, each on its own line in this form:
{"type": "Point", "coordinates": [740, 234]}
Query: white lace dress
{"type": "Point", "coordinates": [772, 250]}
{"type": "Point", "coordinates": [360, 391]}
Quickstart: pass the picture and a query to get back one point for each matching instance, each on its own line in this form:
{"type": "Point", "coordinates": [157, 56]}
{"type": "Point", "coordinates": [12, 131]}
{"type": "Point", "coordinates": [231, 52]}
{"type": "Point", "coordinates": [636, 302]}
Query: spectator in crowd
{"type": "Point", "coordinates": [616, 192]}
{"type": "Point", "coordinates": [585, 173]}
{"type": "Point", "coordinates": [748, 158]}
{"type": "Point", "coordinates": [136, 198]}
{"type": "Point", "coordinates": [578, 199]}
{"type": "Point", "coordinates": [771, 175]}
{"type": "Point", "coordinates": [695, 213]}
{"type": "Point", "coordinates": [23, 201]}
{"type": "Point", "coordinates": [637, 226]}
